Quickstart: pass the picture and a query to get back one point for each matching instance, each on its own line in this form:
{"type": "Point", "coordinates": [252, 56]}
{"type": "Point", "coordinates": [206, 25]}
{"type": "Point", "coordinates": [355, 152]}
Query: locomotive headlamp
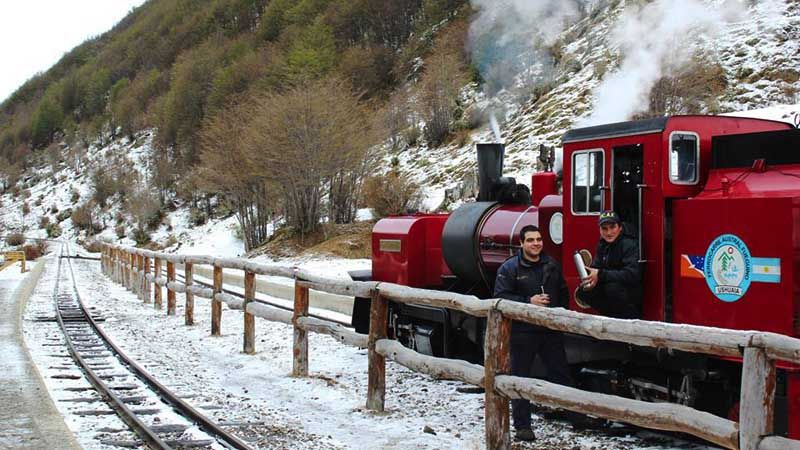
{"type": "Point", "coordinates": [556, 228]}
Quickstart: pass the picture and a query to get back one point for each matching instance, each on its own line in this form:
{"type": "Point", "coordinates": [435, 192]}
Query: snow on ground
{"type": "Point", "coordinates": [324, 411]}
{"type": "Point", "coordinates": [216, 238]}
{"type": "Point", "coordinates": [12, 275]}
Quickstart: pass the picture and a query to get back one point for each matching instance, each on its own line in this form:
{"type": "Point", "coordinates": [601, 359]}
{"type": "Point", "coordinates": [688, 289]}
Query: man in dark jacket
{"type": "Point", "coordinates": [614, 284]}
{"type": "Point", "coordinates": [533, 277]}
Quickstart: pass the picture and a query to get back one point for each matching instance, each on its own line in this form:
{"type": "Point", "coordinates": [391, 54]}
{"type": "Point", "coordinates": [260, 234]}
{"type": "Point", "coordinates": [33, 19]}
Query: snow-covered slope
{"type": "Point", "coordinates": [617, 47]}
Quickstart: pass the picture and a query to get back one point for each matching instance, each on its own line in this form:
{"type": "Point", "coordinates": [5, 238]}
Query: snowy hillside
{"type": "Point", "coordinates": [609, 61]}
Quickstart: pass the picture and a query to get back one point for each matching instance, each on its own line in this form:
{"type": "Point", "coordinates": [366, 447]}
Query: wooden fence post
{"type": "Point", "coordinates": [170, 292]}
{"type": "Point", "coordinates": [114, 266]}
{"type": "Point", "coordinates": [157, 299]}
{"type": "Point", "coordinates": [147, 283]}
{"type": "Point", "coordinates": [189, 313]}
{"type": "Point", "coordinates": [123, 255]}
{"type": "Point", "coordinates": [216, 305]}
{"type": "Point", "coordinates": [137, 275]}
{"type": "Point", "coordinates": [378, 320]}
{"type": "Point", "coordinates": [126, 257]}
{"type": "Point", "coordinates": [131, 272]}
{"type": "Point", "coordinates": [120, 267]}
{"type": "Point", "coordinates": [123, 265]}
{"type": "Point", "coordinates": [141, 280]}
{"type": "Point", "coordinates": [249, 320]}
{"type": "Point", "coordinates": [497, 361]}
{"type": "Point", "coordinates": [300, 350]}
{"type": "Point", "coordinates": [757, 404]}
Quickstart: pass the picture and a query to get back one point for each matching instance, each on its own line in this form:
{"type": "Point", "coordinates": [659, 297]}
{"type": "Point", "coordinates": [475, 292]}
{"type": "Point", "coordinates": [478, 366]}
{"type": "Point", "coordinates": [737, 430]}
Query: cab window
{"type": "Point", "coordinates": [587, 182]}
{"type": "Point", "coordinates": [684, 153]}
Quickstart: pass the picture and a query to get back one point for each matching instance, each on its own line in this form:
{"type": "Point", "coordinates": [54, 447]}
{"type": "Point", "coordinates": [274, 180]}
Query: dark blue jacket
{"type": "Point", "coordinates": [518, 279]}
{"type": "Point", "coordinates": [619, 261]}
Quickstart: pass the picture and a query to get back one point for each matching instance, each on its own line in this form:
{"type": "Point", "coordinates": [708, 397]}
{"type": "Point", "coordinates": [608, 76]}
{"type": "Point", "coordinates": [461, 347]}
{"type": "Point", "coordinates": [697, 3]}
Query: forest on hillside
{"type": "Point", "coordinates": [270, 105]}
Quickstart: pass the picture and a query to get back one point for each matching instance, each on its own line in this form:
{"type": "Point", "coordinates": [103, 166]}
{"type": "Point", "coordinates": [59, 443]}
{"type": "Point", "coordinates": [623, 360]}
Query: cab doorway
{"type": "Point", "coordinates": [626, 179]}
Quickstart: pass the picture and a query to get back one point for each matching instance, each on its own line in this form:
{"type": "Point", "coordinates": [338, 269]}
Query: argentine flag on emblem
{"type": "Point", "coordinates": [766, 270]}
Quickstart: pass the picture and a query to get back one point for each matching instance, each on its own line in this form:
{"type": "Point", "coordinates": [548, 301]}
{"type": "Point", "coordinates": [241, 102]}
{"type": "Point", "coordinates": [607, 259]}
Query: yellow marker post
{"type": "Point", "coordinates": [12, 257]}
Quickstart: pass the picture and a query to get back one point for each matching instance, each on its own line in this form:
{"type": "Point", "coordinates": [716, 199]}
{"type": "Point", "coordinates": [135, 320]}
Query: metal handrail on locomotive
{"type": "Point", "coordinates": [714, 203]}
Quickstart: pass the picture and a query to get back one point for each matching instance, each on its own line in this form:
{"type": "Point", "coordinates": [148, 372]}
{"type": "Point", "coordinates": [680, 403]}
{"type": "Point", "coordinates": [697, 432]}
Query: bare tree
{"type": "Point", "coordinates": [312, 136]}
{"type": "Point", "coordinates": [444, 76]}
{"type": "Point", "coordinates": [224, 169]}
{"type": "Point", "coordinates": [392, 193]}
{"type": "Point", "coordinates": [143, 205]}
{"type": "Point", "coordinates": [397, 118]}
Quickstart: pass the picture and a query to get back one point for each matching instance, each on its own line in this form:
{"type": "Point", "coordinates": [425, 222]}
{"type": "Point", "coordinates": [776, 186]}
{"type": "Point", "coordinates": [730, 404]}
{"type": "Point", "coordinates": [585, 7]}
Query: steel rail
{"type": "Point", "coordinates": [205, 424]}
{"type": "Point", "coordinates": [122, 410]}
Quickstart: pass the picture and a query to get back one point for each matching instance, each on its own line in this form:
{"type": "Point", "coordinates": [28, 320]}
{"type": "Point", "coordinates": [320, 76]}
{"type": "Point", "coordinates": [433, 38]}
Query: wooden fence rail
{"type": "Point", "coordinates": [760, 350]}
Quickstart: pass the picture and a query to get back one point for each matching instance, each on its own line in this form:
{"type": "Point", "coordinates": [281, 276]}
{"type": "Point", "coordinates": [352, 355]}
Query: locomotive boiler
{"type": "Point", "coordinates": [714, 203]}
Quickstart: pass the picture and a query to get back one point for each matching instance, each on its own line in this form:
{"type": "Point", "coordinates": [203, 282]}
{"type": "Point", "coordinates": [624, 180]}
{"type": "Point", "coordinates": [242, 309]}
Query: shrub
{"type": "Point", "coordinates": [120, 231]}
{"type": "Point", "coordinates": [15, 239]}
{"type": "Point", "coordinates": [34, 251]}
{"type": "Point", "coordinates": [412, 134]}
{"type": "Point", "coordinates": [392, 193]}
{"type": "Point", "coordinates": [170, 241]}
{"type": "Point", "coordinates": [461, 138]}
{"type": "Point", "coordinates": [82, 217]}
{"type": "Point", "coordinates": [53, 209]}
{"type": "Point", "coordinates": [53, 230]}
{"type": "Point", "coordinates": [140, 236]}
{"type": "Point", "coordinates": [75, 196]}
{"type": "Point", "coordinates": [25, 208]}
{"type": "Point", "coordinates": [93, 246]}
{"type": "Point", "coordinates": [44, 221]}
{"type": "Point", "coordinates": [64, 215]}
{"type": "Point", "coordinates": [197, 216]}
{"type": "Point", "coordinates": [155, 220]}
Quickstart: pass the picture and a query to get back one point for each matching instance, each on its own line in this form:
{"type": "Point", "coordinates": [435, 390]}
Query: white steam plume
{"type": "Point", "coordinates": [506, 34]}
{"type": "Point", "coordinates": [495, 127]}
{"type": "Point", "coordinates": [652, 38]}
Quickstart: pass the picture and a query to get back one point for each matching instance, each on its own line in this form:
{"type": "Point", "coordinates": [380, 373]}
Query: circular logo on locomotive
{"type": "Point", "coordinates": [727, 267]}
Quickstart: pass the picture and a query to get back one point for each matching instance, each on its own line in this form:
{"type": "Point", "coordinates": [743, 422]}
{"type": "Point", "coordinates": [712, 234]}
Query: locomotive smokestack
{"type": "Point", "coordinates": [490, 170]}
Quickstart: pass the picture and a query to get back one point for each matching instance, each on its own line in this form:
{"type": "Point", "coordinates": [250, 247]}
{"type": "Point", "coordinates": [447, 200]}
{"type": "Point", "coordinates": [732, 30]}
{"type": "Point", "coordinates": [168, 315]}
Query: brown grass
{"type": "Point", "coordinates": [352, 241]}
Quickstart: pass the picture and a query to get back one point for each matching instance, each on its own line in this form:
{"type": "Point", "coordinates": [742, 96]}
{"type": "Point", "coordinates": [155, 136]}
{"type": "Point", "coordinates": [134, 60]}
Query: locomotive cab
{"type": "Point", "coordinates": [639, 169]}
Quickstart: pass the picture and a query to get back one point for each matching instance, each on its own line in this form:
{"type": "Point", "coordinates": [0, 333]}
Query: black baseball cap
{"type": "Point", "coordinates": [608, 217]}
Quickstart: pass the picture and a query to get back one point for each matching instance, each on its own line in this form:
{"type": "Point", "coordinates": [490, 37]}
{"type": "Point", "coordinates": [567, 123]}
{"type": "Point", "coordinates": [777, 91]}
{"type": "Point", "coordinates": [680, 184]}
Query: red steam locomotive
{"type": "Point", "coordinates": [715, 205]}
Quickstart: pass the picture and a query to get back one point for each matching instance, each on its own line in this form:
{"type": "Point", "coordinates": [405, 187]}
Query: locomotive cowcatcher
{"type": "Point", "coordinates": [714, 203]}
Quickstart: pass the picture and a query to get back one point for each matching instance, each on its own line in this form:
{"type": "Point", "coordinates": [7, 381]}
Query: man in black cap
{"type": "Point", "coordinates": [614, 282]}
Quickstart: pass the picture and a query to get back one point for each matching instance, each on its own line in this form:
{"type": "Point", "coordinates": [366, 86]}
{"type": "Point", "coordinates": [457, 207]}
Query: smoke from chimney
{"type": "Point", "coordinates": [509, 37]}
{"type": "Point", "coordinates": [651, 39]}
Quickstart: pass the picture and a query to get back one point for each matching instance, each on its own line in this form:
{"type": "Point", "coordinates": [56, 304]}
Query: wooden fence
{"type": "Point", "coordinates": [760, 350]}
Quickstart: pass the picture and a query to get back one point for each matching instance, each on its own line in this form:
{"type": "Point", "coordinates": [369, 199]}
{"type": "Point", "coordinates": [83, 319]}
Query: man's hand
{"type": "Point", "coordinates": [590, 281]}
{"type": "Point", "coordinates": [540, 300]}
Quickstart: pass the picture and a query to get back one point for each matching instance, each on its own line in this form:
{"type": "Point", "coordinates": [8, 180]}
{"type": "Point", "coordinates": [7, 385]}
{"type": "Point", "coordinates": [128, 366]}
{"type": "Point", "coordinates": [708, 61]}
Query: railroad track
{"type": "Point", "coordinates": [134, 395]}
